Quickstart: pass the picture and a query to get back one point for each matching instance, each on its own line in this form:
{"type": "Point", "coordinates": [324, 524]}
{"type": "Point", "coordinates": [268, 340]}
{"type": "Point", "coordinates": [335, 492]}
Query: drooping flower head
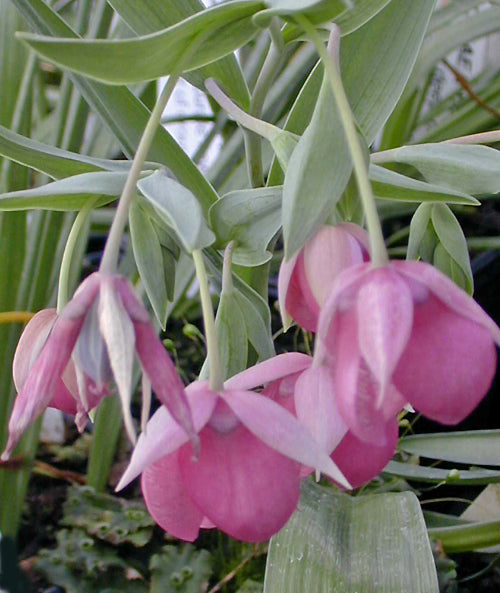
{"type": "Point", "coordinates": [306, 279]}
{"type": "Point", "coordinates": [101, 328]}
{"type": "Point", "coordinates": [404, 333]}
{"type": "Point", "coordinates": [246, 480]}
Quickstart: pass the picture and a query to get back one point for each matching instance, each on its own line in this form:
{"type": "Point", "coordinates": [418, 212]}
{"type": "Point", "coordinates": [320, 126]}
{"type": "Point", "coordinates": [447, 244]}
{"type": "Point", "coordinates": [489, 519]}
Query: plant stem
{"type": "Point", "coordinates": [69, 250]}
{"type": "Point", "coordinates": [215, 374]}
{"type": "Point", "coordinates": [378, 250]}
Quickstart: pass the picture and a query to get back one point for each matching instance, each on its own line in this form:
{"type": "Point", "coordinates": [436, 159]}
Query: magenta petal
{"type": "Point", "coordinates": [385, 317]}
{"type": "Point", "coordinates": [167, 500]}
{"type": "Point", "coordinates": [316, 408]}
{"type": "Point", "coordinates": [269, 370]}
{"type": "Point", "coordinates": [163, 435]}
{"type": "Point", "coordinates": [245, 488]}
{"type": "Point", "coordinates": [448, 364]}
{"type": "Point", "coordinates": [449, 293]}
{"type": "Point", "coordinates": [359, 461]}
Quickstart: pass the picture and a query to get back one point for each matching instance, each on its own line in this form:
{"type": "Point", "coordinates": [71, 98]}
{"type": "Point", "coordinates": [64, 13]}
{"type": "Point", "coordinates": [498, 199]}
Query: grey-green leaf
{"type": "Point", "coordinates": [232, 335]}
{"type": "Point", "coordinates": [419, 473]}
{"type": "Point", "coordinates": [223, 28]}
{"type": "Point", "coordinates": [178, 208]}
{"type": "Point", "coordinates": [390, 185]}
{"type": "Point", "coordinates": [250, 218]}
{"type": "Point", "coordinates": [472, 169]}
{"type": "Point", "coordinates": [336, 543]}
{"type": "Point", "coordinates": [71, 193]}
{"type": "Point", "coordinates": [155, 262]}
{"type": "Point", "coordinates": [317, 11]}
{"type": "Point", "coordinates": [476, 447]}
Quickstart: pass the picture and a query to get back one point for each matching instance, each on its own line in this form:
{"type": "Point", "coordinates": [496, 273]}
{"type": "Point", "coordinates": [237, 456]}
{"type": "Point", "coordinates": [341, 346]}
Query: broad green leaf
{"type": "Point", "coordinates": [359, 14]}
{"type": "Point", "coordinates": [121, 111]}
{"type": "Point", "coordinates": [478, 447]}
{"type": "Point", "coordinates": [71, 193]}
{"type": "Point", "coordinates": [223, 28]}
{"type": "Point", "coordinates": [390, 185]}
{"type": "Point", "coordinates": [258, 323]}
{"type": "Point", "coordinates": [452, 251]}
{"type": "Point", "coordinates": [180, 569]}
{"type": "Point", "coordinates": [53, 161]}
{"type": "Point", "coordinates": [472, 168]}
{"type": "Point", "coordinates": [317, 173]}
{"type": "Point", "coordinates": [340, 544]}
{"type": "Point", "coordinates": [317, 11]}
{"type": "Point", "coordinates": [250, 218]}
{"type": "Point", "coordinates": [464, 538]}
{"type": "Point", "coordinates": [419, 227]}
{"type": "Point", "coordinates": [435, 475]}
{"type": "Point", "coordinates": [155, 261]}
{"type": "Point", "coordinates": [374, 80]}
{"type": "Point", "coordinates": [232, 335]}
{"type": "Point", "coordinates": [178, 208]}
{"type": "Point", "coordinates": [148, 17]}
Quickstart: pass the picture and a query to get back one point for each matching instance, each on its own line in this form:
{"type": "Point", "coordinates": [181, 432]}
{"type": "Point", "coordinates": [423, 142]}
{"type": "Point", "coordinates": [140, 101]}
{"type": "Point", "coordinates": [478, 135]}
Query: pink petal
{"type": "Point", "coordinates": [449, 293]}
{"type": "Point", "coordinates": [326, 255]}
{"type": "Point", "coordinates": [163, 434]}
{"type": "Point", "coordinates": [316, 408]}
{"type": "Point", "coordinates": [359, 233]}
{"type": "Point", "coordinates": [245, 488]}
{"type": "Point", "coordinates": [448, 365]}
{"type": "Point", "coordinates": [359, 461]}
{"type": "Point", "coordinates": [167, 500]}
{"type": "Point", "coordinates": [269, 370]}
{"type": "Point", "coordinates": [281, 431]}
{"type": "Point", "coordinates": [156, 362]}
{"type": "Point", "coordinates": [385, 317]}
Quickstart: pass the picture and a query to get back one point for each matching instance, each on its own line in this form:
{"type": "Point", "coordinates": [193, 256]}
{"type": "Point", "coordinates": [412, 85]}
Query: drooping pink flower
{"type": "Point", "coordinates": [404, 333]}
{"type": "Point", "coordinates": [246, 480]}
{"type": "Point", "coordinates": [101, 328]}
{"type": "Point", "coordinates": [305, 280]}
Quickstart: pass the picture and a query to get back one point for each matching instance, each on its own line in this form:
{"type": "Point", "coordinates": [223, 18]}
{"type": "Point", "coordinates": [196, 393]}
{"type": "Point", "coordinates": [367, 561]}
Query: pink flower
{"type": "Point", "coordinates": [306, 279]}
{"type": "Point", "coordinates": [404, 333]}
{"type": "Point", "coordinates": [101, 328]}
{"type": "Point", "coordinates": [246, 480]}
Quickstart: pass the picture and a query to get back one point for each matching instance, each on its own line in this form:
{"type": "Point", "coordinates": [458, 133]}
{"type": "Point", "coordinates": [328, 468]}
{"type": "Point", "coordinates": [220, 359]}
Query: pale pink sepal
{"type": "Point", "coordinates": [164, 435]}
{"type": "Point", "coordinates": [281, 431]}
{"type": "Point", "coordinates": [448, 365]}
{"type": "Point", "coordinates": [244, 487]}
{"type": "Point", "coordinates": [385, 319]}
{"type": "Point", "coordinates": [316, 408]}
{"type": "Point", "coordinates": [449, 293]}
{"type": "Point", "coordinates": [269, 370]}
{"type": "Point", "coordinates": [167, 500]}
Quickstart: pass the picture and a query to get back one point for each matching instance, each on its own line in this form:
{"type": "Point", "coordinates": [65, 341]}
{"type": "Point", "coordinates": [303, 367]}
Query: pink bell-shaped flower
{"type": "Point", "coordinates": [404, 333]}
{"type": "Point", "coordinates": [246, 480]}
{"type": "Point", "coordinates": [305, 280]}
{"type": "Point", "coordinates": [104, 317]}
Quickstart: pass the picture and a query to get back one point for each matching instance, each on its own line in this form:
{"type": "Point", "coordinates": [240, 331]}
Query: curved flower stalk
{"type": "Point", "coordinates": [404, 333]}
{"type": "Point", "coordinates": [92, 341]}
{"type": "Point", "coordinates": [306, 279]}
{"type": "Point", "coordinates": [247, 478]}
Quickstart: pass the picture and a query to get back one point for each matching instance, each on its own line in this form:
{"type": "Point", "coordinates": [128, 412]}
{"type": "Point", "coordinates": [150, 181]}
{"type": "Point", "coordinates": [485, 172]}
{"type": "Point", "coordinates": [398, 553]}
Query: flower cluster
{"type": "Point", "coordinates": [233, 458]}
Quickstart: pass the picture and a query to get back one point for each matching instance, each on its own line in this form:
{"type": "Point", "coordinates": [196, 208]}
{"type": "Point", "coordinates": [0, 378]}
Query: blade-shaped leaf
{"type": "Point", "coordinates": [390, 185]}
{"type": "Point", "coordinates": [317, 11]}
{"type": "Point", "coordinates": [148, 17]}
{"type": "Point", "coordinates": [250, 218]}
{"type": "Point", "coordinates": [224, 28]}
{"type": "Point", "coordinates": [336, 543]}
{"type": "Point", "coordinates": [71, 193]}
{"type": "Point", "coordinates": [473, 169]}
{"type": "Point", "coordinates": [478, 447]}
{"type": "Point", "coordinates": [179, 209]}
{"type": "Point", "coordinates": [419, 473]}
{"type": "Point", "coordinates": [232, 335]}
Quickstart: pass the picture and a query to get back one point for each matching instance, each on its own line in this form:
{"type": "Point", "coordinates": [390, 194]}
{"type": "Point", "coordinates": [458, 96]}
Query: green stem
{"type": "Point", "coordinates": [111, 251]}
{"type": "Point", "coordinates": [378, 251]}
{"type": "Point", "coordinates": [215, 374]}
{"type": "Point", "coordinates": [69, 250]}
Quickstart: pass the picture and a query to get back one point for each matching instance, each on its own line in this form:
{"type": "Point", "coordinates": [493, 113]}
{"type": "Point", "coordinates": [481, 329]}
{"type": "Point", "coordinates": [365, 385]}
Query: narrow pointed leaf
{"type": "Point", "coordinates": [232, 335]}
{"type": "Point", "coordinates": [71, 193]}
{"type": "Point", "coordinates": [435, 475]}
{"type": "Point", "coordinates": [368, 544]}
{"type": "Point", "coordinates": [224, 28]}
